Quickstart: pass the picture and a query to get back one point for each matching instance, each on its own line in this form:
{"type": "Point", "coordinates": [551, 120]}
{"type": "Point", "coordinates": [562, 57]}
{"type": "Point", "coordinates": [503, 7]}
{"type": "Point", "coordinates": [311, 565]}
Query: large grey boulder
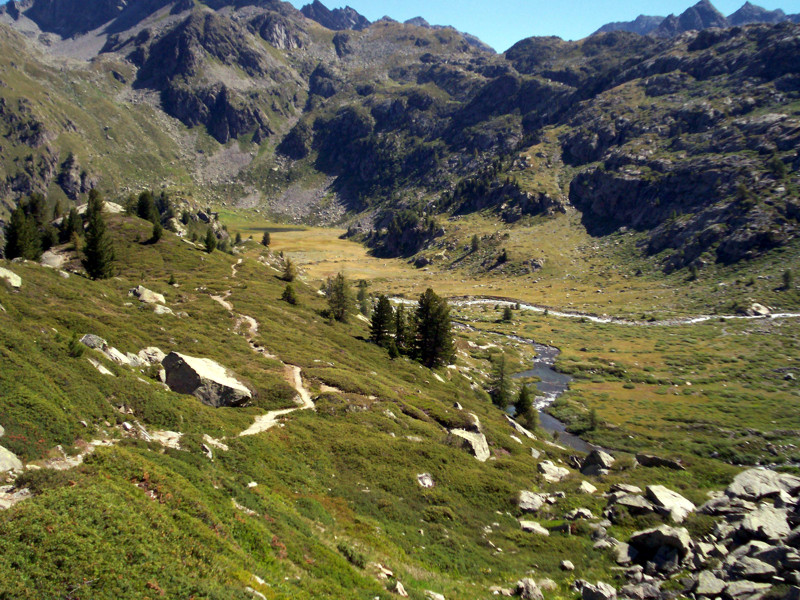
{"type": "Point", "coordinates": [641, 591]}
{"type": "Point", "coordinates": [147, 296]}
{"type": "Point", "coordinates": [665, 546]}
{"type": "Point", "coordinates": [746, 590]}
{"type": "Point", "coordinates": [151, 355]}
{"type": "Point", "coordinates": [752, 569]}
{"type": "Point", "coordinates": [528, 589]}
{"type": "Point", "coordinates": [9, 461]}
{"type": "Point", "coordinates": [755, 484]}
{"type": "Point", "coordinates": [636, 505]}
{"type": "Point", "coordinates": [552, 472]}
{"type": "Point", "coordinates": [708, 584]}
{"type": "Point", "coordinates": [766, 523]}
{"type": "Point", "coordinates": [669, 503]}
{"type": "Point", "coordinates": [12, 278]}
{"type": "Point", "coordinates": [205, 379]}
{"type": "Point", "coordinates": [474, 442]}
{"type": "Point", "coordinates": [599, 591]}
{"type": "Point", "coordinates": [531, 501]}
{"type": "Point", "coordinates": [597, 463]}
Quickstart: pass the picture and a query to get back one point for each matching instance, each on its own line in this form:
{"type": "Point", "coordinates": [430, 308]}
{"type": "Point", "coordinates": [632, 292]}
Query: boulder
{"type": "Point", "coordinates": [636, 505]}
{"type": "Point", "coordinates": [766, 524]}
{"type": "Point", "coordinates": [641, 591]}
{"type": "Point", "coordinates": [147, 296]}
{"type": "Point", "coordinates": [600, 591]}
{"type": "Point", "coordinates": [12, 278]}
{"type": "Point", "coordinates": [658, 543]}
{"type": "Point", "coordinates": [531, 501]}
{"type": "Point", "coordinates": [755, 484]}
{"type": "Point", "coordinates": [533, 527]}
{"type": "Point", "coordinates": [746, 590]}
{"type": "Point", "coordinates": [650, 460]}
{"type": "Point", "coordinates": [579, 513]}
{"type": "Point", "coordinates": [425, 480]}
{"type": "Point", "coordinates": [2, 431]}
{"type": "Point", "coordinates": [708, 584]}
{"type": "Point", "coordinates": [160, 309]}
{"type": "Point", "coordinates": [527, 588]}
{"type": "Point", "coordinates": [566, 565]}
{"type": "Point", "coordinates": [551, 472]}
{"type": "Point", "coordinates": [151, 355]}
{"type": "Point", "coordinates": [204, 378]}
{"type": "Point", "coordinates": [433, 595]}
{"type": "Point", "coordinates": [758, 310]}
{"type": "Point", "coordinates": [587, 488]}
{"type": "Point", "coordinates": [9, 461]}
{"type": "Point", "coordinates": [599, 459]}
{"type": "Point", "coordinates": [669, 502]}
{"type": "Point", "coordinates": [626, 488]}
{"type": "Point", "coordinates": [752, 569]}
{"type": "Point", "coordinates": [93, 341]}
{"type": "Point", "coordinates": [474, 442]}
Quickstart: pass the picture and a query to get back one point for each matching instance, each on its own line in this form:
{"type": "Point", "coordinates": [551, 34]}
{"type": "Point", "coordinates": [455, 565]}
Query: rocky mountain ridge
{"type": "Point", "coordinates": [702, 15]}
{"type": "Point", "coordinates": [689, 139]}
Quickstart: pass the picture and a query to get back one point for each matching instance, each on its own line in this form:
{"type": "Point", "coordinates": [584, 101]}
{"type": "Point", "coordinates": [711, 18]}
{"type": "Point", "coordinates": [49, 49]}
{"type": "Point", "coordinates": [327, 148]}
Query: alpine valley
{"type": "Point", "coordinates": [294, 304]}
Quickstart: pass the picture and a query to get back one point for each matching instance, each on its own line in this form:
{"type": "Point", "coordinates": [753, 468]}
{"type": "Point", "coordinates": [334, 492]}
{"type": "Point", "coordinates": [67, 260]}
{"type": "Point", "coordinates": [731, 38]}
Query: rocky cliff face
{"type": "Point", "coordinates": [337, 19]}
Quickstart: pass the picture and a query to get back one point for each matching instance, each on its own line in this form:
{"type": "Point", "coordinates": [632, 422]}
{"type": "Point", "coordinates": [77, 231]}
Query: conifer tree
{"type": "Point", "coordinates": [158, 233]}
{"type": "Point", "coordinates": [265, 240]}
{"type": "Point", "coordinates": [22, 238]}
{"type": "Point", "coordinates": [289, 295]}
{"type": "Point", "coordinates": [210, 241]}
{"type": "Point", "coordinates": [98, 250]}
{"type": "Point", "coordinates": [500, 382]}
{"type": "Point", "coordinates": [289, 271]}
{"type": "Point", "coordinates": [524, 409]}
{"type": "Point", "coordinates": [507, 314]}
{"type": "Point", "coordinates": [434, 337]}
{"type": "Point", "coordinates": [146, 207]}
{"type": "Point", "coordinates": [362, 297]}
{"type": "Point", "coordinates": [340, 299]}
{"type": "Point", "coordinates": [382, 322]}
{"type": "Point", "coordinates": [71, 224]}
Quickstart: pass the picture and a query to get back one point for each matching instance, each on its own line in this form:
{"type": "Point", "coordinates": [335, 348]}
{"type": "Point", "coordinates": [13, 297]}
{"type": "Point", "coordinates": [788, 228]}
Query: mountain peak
{"type": "Point", "coordinates": [337, 19]}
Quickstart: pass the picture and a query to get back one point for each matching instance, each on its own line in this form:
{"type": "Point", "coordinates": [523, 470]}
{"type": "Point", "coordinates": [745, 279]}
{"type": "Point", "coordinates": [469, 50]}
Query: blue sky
{"type": "Point", "coordinates": [501, 23]}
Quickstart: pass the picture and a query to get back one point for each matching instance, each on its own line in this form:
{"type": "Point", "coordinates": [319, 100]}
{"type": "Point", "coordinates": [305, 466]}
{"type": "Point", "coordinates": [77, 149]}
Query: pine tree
{"type": "Point", "coordinates": [265, 240]}
{"type": "Point", "coordinates": [98, 251]}
{"type": "Point", "coordinates": [158, 233]}
{"type": "Point", "coordinates": [289, 271]}
{"type": "Point", "coordinates": [210, 241]}
{"type": "Point", "coordinates": [362, 297]}
{"type": "Point", "coordinates": [475, 243]}
{"type": "Point", "coordinates": [500, 383]}
{"type": "Point", "coordinates": [22, 238]}
{"type": "Point", "coordinates": [340, 299]}
{"type": "Point", "coordinates": [382, 322]}
{"type": "Point", "coordinates": [72, 224]}
{"type": "Point", "coordinates": [788, 279]}
{"type": "Point", "coordinates": [507, 314]}
{"type": "Point", "coordinates": [146, 207]}
{"type": "Point", "coordinates": [434, 337]}
{"type": "Point", "coordinates": [289, 295]}
{"type": "Point", "coordinates": [524, 401]}
{"type": "Point", "coordinates": [238, 238]}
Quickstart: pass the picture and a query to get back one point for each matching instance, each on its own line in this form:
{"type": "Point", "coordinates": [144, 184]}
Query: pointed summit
{"type": "Point", "coordinates": [337, 19]}
{"type": "Point", "coordinates": [750, 13]}
{"type": "Point", "coordinates": [702, 16]}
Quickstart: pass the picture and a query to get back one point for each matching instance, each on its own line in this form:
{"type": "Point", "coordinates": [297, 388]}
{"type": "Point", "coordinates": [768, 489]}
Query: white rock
{"type": "Point", "coordinates": [533, 527]}
{"type": "Point", "coordinates": [551, 472]}
{"type": "Point", "coordinates": [9, 461]}
{"type": "Point", "coordinates": [669, 502]}
{"type": "Point", "coordinates": [147, 296]}
{"type": "Point", "coordinates": [160, 309]}
{"type": "Point", "coordinates": [587, 488]}
{"type": "Point", "coordinates": [12, 278]}
{"type": "Point", "coordinates": [151, 355]}
{"type": "Point", "coordinates": [475, 442]}
{"type": "Point", "coordinates": [206, 379]}
{"type": "Point", "coordinates": [531, 501]}
{"type": "Point", "coordinates": [425, 480]}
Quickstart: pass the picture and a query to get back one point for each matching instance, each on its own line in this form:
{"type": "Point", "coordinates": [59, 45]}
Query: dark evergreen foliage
{"type": "Point", "coordinates": [382, 322]}
{"type": "Point", "coordinates": [340, 298]}
{"type": "Point", "coordinates": [98, 251]}
{"type": "Point", "coordinates": [434, 337]}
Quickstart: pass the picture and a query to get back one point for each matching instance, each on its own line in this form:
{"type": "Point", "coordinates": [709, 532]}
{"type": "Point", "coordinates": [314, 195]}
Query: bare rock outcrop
{"type": "Point", "coordinates": [204, 378]}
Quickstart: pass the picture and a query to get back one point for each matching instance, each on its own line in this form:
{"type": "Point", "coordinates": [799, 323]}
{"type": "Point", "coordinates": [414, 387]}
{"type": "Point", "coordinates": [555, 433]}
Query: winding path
{"type": "Point", "coordinates": [270, 419]}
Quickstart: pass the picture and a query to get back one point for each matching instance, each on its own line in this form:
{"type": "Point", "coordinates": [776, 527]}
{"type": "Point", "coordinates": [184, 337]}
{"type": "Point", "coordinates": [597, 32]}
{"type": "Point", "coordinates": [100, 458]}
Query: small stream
{"type": "Point", "coordinates": [550, 386]}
